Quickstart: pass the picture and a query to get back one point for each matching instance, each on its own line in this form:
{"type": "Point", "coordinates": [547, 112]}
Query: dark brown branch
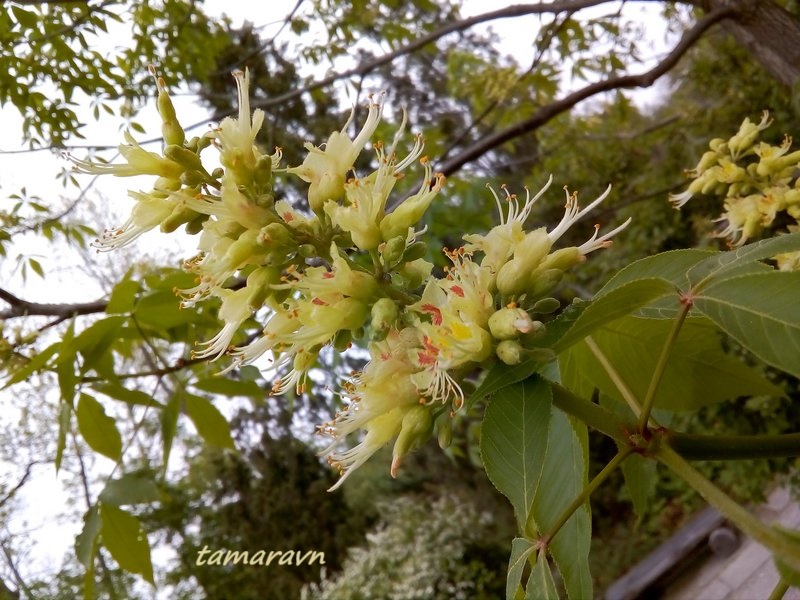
{"type": "Point", "coordinates": [23, 308]}
{"type": "Point", "coordinates": [10, 494]}
{"type": "Point", "coordinates": [548, 112]}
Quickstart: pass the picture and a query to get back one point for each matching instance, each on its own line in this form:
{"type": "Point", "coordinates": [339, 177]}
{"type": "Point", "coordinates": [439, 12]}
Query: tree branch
{"type": "Point", "coordinates": [23, 308]}
{"type": "Point", "coordinates": [548, 112]}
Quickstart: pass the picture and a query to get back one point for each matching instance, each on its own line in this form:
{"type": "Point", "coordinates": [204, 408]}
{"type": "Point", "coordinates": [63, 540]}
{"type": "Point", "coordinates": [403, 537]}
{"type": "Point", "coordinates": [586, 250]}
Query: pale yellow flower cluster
{"type": "Point", "coordinates": [758, 182]}
{"type": "Point", "coordinates": [348, 271]}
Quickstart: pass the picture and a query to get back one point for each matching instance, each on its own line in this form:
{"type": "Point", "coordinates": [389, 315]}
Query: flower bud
{"type": "Point", "coordinates": [415, 251]}
{"type": "Point", "coordinates": [184, 157]}
{"type": "Point", "coordinates": [444, 432]}
{"type": "Point", "coordinates": [392, 250]}
{"type": "Point", "coordinates": [170, 128]}
{"type": "Point", "coordinates": [562, 259]}
{"type": "Point", "coordinates": [508, 323]}
{"type": "Point", "coordinates": [545, 306]}
{"type": "Point", "coordinates": [510, 352]}
{"type": "Point", "coordinates": [180, 214]}
{"type": "Point", "coordinates": [343, 340]}
{"type": "Point", "coordinates": [195, 226]}
{"type": "Point", "coordinates": [259, 281]}
{"type": "Point", "coordinates": [274, 234]}
{"type": "Point", "coordinates": [542, 282]}
{"type": "Point", "coordinates": [384, 315]}
{"type": "Point", "coordinates": [708, 160]}
{"type": "Point", "coordinates": [415, 430]}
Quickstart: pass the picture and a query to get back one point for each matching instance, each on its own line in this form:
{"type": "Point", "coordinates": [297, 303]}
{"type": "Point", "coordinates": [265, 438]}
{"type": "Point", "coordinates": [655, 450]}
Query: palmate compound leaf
{"type": "Point", "coordinates": [761, 311]}
{"type": "Point", "coordinates": [535, 457]}
{"type": "Point", "coordinates": [698, 371]}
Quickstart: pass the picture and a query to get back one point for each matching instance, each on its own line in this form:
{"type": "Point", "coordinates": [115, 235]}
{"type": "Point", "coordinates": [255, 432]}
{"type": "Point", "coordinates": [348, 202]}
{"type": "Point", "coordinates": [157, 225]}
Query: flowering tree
{"type": "Point", "coordinates": [346, 272]}
{"type": "Point", "coordinates": [350, 266]}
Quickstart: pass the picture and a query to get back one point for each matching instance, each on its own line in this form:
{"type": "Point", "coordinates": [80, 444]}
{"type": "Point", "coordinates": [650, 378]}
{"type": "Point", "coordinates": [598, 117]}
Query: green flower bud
{"type": "Point", "coordinates": [170, 128]}
{"type": "Point", "coordinates": [195, 226]}
{"type": "Point", "coordinates": [180, 214]}
{"type": "Point", "coordinates": [415, 430]}
{"type": "Point", "coordinates": [343, 340]}
{"type": "Point", "coordinates": [274, 234]}
{"type": "Point", "coordinates": [166, 184]}
{"type": "Point", "coordinates": [708, 160]}
{"type": "Point", "coordinates": [262, 177]}
{"type": "Point", "coordinates": [415, 251]}
{"type": "Point", "coordinates": [444, 432]}
{"type": "Point", "coordinates": [718, 145]}
{"type": "Point", "coordinates": [510, 352]}
{"type": "Point", "coordinates": [563, 259]}
{"type": "Point", "coordinates": [384, 315]}
{"type": "Point", "coordinates": [259, 281]}
{"type": "Point", "coordinates": [185, 157]}
{"type": "Point", "coordinates": [508, 323]}
{"type": "Point", "coordinates": [543, 282]}
{"type": "Point", "coordinates": [307, 250]}
{"type": "Point", "coordinates": [545, 306]}
{"type": "Point", "coordinates": [392, 250]}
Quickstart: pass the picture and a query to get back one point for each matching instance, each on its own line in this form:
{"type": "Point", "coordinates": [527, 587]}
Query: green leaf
{"type": "Point", "coordinates": [34, 364]}
{"type": "Point", "coordinates": [27, 19]}
{"type": "Point", "coordinates": [761, 311]}
{"type": "Point", "coordinates": [86, 540]}
{"type": "Point", "coordinates": [98, 429]}
{"type": "Point", "coordinates": [162, 310]}
{"type": "Point", "coordinates": [36, 266]}
{"type": "Point", "coordinates": [613, 305]}
{"type": "Point", "coordinates": [230, 387]}
{"type": "Point", "coordinates": [212, 426]}
{"type": "Point", "coordinates": [502, 375]}
{"type": "Point", "coordinates": [640, 480]}
{"type": "Point", "coordinates": [563, 478]}
{"type": "Point", "coordinates": [698, 371]}
{"type": "Point", "coordinates": [64, 418]}
{"type": "Point", "coordinates": [540, 583]}
{"type": "Point", "coordinates": [671, 266]}
{"type": "Point", "coordinates": [86, 548]}
{"type": "Point", "coordinates": [123, 297]}
{"type": "Point", "coordinates": [125, 539]}
{"type": "Point", "coordinates": [521, 549]}
{"type": "Point", "coordinates": [132, 397]}
{"type": "Point", "coordinates": [719, 266]}
{"type": "Point", "coordinates": [169, 425]}
{"type": "Point", "coordinates": [94, 342]}
{"type": "Point", "coordinates": [514, 442]}
{"type": "Point", "coordinates": [131, 488]}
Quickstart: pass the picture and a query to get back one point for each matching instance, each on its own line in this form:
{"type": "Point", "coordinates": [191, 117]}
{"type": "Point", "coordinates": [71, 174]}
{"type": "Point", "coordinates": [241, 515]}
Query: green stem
{"type": "Point", "coordinates": [780, 589]}
{"type": "Point", "coordinates": [593, 415]}
{"type": "Point", "coordinates": [661, 365]}
{"type": "Point", "coordinates": [615, 377]}
{"type": "Point", "coordinates": [581, 498]}
{"type": "Point", "coordinates": [733, 447]}
{"type": "Point", "coordinates": [779, 544]}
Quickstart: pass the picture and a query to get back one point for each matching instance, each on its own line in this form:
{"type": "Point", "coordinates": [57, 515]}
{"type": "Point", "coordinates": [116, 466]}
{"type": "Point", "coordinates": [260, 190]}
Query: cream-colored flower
{"type": "Point", "coordinates": [325, 169]}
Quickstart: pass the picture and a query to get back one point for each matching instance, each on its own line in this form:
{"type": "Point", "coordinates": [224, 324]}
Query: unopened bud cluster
{"type": "Point", "coordinates": [349, 271]}
{"type": "Point", "coordinates": [757, 181]}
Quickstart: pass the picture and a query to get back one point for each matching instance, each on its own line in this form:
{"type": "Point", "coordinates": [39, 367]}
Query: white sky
{"type": "Point", "coordinates": [36, 171]}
